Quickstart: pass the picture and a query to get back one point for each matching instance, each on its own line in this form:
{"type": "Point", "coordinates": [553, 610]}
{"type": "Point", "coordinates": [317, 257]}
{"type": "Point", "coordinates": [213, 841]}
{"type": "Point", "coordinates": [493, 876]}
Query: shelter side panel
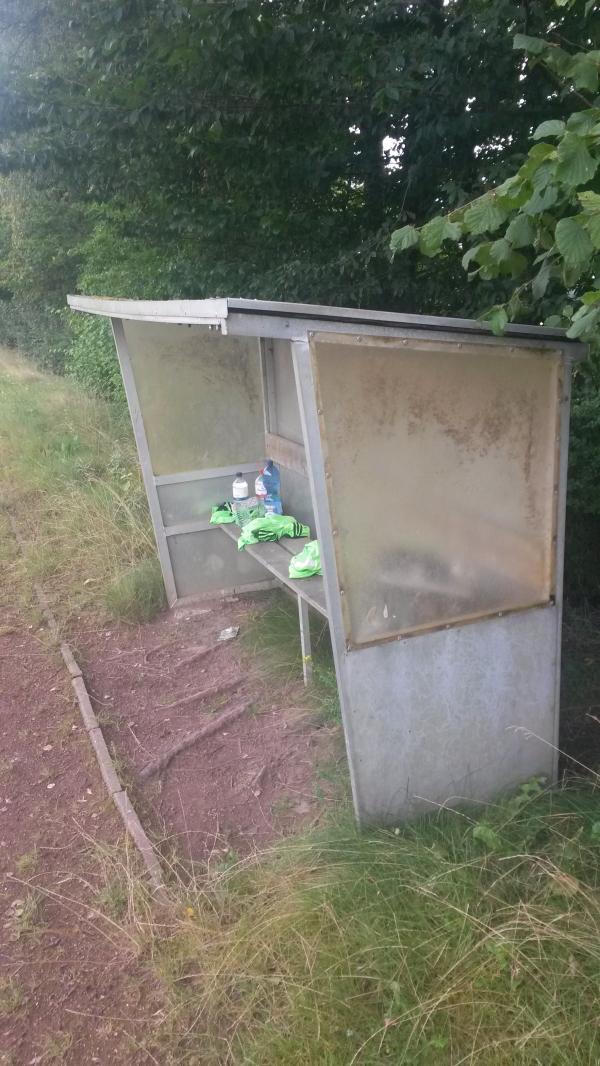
{"type": "Point", "coordinates": [460, 714]}
{"type": "Point", "coordinates": [441, 477]}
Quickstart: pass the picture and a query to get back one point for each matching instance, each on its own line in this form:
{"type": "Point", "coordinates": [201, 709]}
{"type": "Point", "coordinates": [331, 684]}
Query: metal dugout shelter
{"type": "Point", "coordinates": [429, 457]}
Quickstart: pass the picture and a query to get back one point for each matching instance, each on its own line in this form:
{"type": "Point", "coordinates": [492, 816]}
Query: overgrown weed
{"type": "Point", "coordinates": [70, 477]}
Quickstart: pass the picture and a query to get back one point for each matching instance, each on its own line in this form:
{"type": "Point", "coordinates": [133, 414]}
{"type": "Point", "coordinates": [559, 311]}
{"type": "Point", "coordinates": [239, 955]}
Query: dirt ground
{"type": "Point", "coordinates": [71, 991]}
{"type": "Point", "coordinates": [263, 776]}
{"type": "Point", "coordinates": [72, 987]}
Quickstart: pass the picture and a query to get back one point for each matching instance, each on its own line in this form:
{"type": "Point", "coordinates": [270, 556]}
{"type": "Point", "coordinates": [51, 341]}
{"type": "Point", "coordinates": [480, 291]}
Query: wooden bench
{"type": "Point", "coordinates": [310, 591]}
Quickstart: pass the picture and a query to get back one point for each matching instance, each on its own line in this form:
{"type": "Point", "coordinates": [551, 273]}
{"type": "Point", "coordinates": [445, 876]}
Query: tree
{"type": "Point", "coordinates": [539, 230]}
{"type": "Point", "coordinates": [277, 141]}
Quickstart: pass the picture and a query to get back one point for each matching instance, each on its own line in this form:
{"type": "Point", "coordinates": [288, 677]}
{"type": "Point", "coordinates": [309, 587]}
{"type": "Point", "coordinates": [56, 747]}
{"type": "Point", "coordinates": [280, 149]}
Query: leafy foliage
{"type": "Point", "coordinates": [271, 146]}
{"type": "Point", "coordinates": [541, 226]}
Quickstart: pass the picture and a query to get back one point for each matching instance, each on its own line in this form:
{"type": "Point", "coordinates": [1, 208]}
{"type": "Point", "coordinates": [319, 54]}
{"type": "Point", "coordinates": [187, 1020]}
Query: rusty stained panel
{"type": "Point", "coordinates": [441, 467]}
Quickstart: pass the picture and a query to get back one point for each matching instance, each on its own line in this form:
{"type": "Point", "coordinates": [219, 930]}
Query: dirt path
{"type": "Point", "coordinates": [71, 990]}
{"type": "Point", "coordinates": [263, 776]}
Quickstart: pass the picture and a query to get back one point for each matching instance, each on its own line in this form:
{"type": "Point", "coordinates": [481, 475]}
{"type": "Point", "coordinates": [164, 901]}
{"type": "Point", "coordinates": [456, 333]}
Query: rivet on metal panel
{"type": "Point", "coordinates": [342, 592]}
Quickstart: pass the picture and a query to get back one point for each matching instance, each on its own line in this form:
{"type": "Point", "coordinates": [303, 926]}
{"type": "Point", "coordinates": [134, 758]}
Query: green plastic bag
{"type": "Point", "coordinates": [306, 563]}
{"type": "Point", "coordinates": [221, 514]}
{"type": "Point", "coordinates": [271, 527]}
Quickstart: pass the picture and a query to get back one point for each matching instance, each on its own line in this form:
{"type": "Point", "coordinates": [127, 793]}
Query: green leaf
{"type": "Point", "coordinates": [575, 164]}
{"type": "Point", "coordinates": [503, 254]}
{"type": "Point", "coordinates": [498, 320]}
{"type": "Point", "coordinates": [540, 281]}
{"type": "Point", "coordinates": [434, 233]}
{"type": "Point", "coordinates": [541, 200]}
{"type": "Point", "coordinates": [534, 45]}
{"type": "Point", "coordinates": [500, 251]}
{"type": "Point", "coordinates": [583, 122]}
{"type": "Point", "coordinates": [573, 243]}
{"type": "Point", "coordinates": [584, 72]}
{"type": "Point", "coordinates": [485, 834]}
{"type": "Point", "coordinates": [485, 215]}
{"type": "Point", "coordinates": [513, 193]}
{"type": "Point", "coordinates": [520, 232]}
{"type": "Point", "coordinates": [582, 324]}
{"type": "Point", "coordinates": [590, 216]}
{"type": "Point", "coordinates": [553, 127]}
{"type": "Point", "coordinates": [404, 238]}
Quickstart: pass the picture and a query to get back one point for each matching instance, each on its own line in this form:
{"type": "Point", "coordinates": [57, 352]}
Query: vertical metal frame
{"type": "Point", "coordinates": [564, 421]}
{"type": "Point", "coordinates": [317, 474]}
{"type": "Point", "coordinates": [145, 462]}
{"type": "Point", "coordinates": [265, 347]}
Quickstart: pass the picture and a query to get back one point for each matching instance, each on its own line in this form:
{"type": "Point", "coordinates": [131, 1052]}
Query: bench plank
{"type": "Point", "coordinates": [275, 558]}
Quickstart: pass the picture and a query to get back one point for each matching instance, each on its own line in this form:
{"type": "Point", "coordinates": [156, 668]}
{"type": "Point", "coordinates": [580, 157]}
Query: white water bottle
{"type": "Point", "coordinates": [241, 501]}
{"type": "Point", "coordinates": [240, 487]}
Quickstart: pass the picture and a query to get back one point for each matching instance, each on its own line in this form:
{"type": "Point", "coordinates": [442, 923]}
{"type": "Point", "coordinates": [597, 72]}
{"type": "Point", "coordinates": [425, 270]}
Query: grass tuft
{"type": "Point", "coordinates": [138, 594]}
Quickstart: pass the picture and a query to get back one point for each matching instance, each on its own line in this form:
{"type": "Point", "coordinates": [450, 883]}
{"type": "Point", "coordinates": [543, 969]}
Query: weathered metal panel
{"type": "Point", "coordinates": [207, 562]}
{"type": "Point", "coordinates": [189, 500]}
{"type": "Point", "coordinates": [286, 453]}
{"type": "Point", "coordinates": [285, 400]}
{"type": "Point", "coordinates": [441, 474]}
{"type": "Point", "coordinates": [141, 441]}
{"type": "Point", "coordinates": [460, 714]}
{"type": "Point", "coordinates": [200, 395]}
{"type": "Point", "coordinates": [296, 496]}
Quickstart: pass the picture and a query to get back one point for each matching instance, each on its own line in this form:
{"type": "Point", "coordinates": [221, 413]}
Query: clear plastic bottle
{"type": "Point", "coordinates": [272, 483]}
{"type": "Point", "coordinates": [259, 488]}
{"type": "Point", "coordinates": [243, 505]}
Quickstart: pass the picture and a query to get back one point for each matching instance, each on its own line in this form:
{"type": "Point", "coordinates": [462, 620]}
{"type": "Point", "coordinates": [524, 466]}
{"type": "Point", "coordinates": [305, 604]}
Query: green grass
{"type": "Point", "coordinates": [70, 478]}
{"type": "Point", "coordinates": [272, 642]}
{"type": "Point", "coordinates": [138, 594]}
{"type": "Point", "coordinates": [455, 940]}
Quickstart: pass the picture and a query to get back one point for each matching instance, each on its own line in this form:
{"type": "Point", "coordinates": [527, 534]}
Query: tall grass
{"type": "Point", "coordinates": [273, 642]}
{"type": "Point", "coordinates": [69, 475]}
{"type": "Point", "coordinates": [458, 939]}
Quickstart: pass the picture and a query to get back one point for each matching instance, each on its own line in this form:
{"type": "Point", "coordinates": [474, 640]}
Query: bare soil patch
{"type": "Point", "coordinates": [71, 991]}
{"type": "Point", "coordinates": [264, 775]}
